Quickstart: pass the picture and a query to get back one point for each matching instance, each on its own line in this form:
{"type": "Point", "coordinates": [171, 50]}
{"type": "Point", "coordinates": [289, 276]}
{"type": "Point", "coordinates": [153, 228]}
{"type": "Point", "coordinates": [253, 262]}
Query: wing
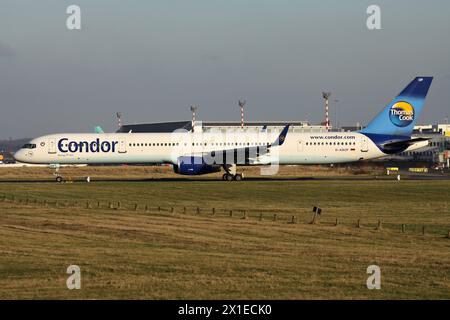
{"type": "Point", "coordinates": [245, 155]}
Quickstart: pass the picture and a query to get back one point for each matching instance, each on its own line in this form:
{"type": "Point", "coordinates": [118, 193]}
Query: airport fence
{"type": "Point", "coordinates": [261, 215]}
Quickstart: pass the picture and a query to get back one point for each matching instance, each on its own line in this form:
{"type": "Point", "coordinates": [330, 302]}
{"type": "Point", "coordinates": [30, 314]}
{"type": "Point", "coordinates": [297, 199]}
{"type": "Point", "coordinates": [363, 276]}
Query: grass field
{"type": "Point", "coordinates": [159, 254]}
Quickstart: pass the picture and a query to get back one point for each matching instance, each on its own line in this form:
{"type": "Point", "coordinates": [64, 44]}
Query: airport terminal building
{"type": "Point", "coordinates": [436, 153]}
{"type": "Point", "coordinates": [222, 126]}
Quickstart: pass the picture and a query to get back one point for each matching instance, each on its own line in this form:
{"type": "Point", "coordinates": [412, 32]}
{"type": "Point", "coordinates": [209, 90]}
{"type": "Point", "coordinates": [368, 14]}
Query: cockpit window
{"type": "Point", "coordinates": [29, 146]}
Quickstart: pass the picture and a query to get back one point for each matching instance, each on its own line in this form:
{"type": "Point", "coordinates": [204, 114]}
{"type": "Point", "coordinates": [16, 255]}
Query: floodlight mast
{"type": "Point", "coordinates": [326, 96]}
{"type": "Point", "coordinates": [119, 119]}
{"type": "Point", "coordinates": [242, 106]}
{"type": "Point", "coordinates": [194, 111]}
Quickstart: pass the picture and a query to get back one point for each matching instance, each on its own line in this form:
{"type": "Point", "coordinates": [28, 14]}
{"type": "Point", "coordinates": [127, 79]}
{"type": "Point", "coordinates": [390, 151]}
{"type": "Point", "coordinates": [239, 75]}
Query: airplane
{"type": "Point", "coordinates": [197, 153]}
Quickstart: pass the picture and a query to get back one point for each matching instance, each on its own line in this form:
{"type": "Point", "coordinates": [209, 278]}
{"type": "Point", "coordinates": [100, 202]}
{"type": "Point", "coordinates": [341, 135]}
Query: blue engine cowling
{"type": "Point", "coordinates": [194, 166]}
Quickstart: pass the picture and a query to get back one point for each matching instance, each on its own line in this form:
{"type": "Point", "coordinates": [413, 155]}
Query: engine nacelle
{"type": "Point", "coordinates": [194, 166]}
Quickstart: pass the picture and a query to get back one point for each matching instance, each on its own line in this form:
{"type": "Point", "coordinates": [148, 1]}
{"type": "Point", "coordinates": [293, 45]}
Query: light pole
{"type": "Point", "coordinates": [194, 110]}
{"type": "Point", "coordinates": [119, 119]}
{"type": "Point", "coordinates": [242, 105]}
{"type": "Point", "coordinates": [326, 95]}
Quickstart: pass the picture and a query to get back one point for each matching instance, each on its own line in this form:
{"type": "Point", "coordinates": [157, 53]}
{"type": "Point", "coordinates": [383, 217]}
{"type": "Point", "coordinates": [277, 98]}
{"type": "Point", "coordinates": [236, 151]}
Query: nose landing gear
{"type": "Point", "coordinates": [58, 177]}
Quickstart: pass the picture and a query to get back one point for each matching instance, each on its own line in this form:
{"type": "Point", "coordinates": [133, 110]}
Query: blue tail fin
{"type": "Point", "coordinates": [399, 117]}
{"type": "Point", "coordinates": [281, 137]}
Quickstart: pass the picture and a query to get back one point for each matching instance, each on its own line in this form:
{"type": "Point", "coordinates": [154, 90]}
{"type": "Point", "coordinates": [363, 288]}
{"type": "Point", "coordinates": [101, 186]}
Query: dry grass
{"type": "Point", "coordinates": [156, 172]}
{"type": "Point", "coordinates": [159, 255]}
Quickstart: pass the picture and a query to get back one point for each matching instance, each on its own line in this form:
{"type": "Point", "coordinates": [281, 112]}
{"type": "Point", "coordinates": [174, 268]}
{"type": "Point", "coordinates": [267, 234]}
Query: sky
{"type": "Point", "coordinates": [151, 60]}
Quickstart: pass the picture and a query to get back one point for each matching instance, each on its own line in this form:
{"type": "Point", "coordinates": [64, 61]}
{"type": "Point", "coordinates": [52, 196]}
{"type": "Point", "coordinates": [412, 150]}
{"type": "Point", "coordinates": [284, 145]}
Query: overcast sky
{"type": "Point", "coordinates": [152, 59]}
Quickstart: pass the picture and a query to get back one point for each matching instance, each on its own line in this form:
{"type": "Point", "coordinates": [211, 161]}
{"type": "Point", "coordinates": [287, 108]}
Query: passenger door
{"type": "Point", "coordinates": [300, 146]}
{"type": "Point", "coordinates": [364, 144]}
{"type": "Point", "coordinates": [51, 146]}
{"type": "Point", "coordinates": [122, 146]}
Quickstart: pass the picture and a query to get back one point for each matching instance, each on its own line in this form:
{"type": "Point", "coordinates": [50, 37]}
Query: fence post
{"type": "Point", "coordinates": [358, 223]}
{"type": "Point", "coordinates": [198, 210]}
{"type": "Point", "coordinates": [260, 217]}
{"type": "Point", "coordinates": [159, 208]}
{"type": "Point", "coordinates": [403, 228]}
{"type": "Point", "coordinates": [118, 205]}
{"type": "Point", "coordinates": [244, 214]}
{"type": "Point", "coordinates": [146, 208]}
{"type": "Point", "coordinates": [293, 219]}
{"type": "Point", "coordinates": [231, 213]}
{"type": "Point", "coordinates": [184, 210]}
{"type": "Point", "coordinates": [213, 211]}
{"type": "Point", "coordinates": [98, 204]}
{"type": "Point", "coordinates": [110, 205]}
{"type": "Point", "coordinates": [423, 230]}
{"type": "Point", "coordinates": [448, 234]}
{"type": "Point", "coordinates": [313, 221]}
{"type": "Point", "coordinates": [135, 207]}
{"type": "Point", "coordinates": [337, 222]}
{"type": "Point", "coordinates": [88, 205]}
{"type": "Point", "coordinates": [380, 225]}
{"type": "Point", "coordinates": [274, 217]}
{"type": "Point", "coordinates": [172, 210]}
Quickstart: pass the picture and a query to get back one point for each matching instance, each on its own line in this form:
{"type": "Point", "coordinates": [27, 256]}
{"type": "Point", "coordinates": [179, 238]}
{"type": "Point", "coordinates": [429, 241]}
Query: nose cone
{"type": "Point", "coordinates": [19, 156]}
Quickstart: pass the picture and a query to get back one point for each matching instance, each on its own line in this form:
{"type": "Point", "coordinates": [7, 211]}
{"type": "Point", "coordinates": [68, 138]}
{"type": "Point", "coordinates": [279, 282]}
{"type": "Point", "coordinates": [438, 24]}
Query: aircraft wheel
{"type": "Point", "coordinates": [59, 179]}
{"type": "Point", "coordinates": [229, 177]}
{"type": "Point", "coordinates": [238, 177]}
{"type": "Point", "coordinates": [224, 177]}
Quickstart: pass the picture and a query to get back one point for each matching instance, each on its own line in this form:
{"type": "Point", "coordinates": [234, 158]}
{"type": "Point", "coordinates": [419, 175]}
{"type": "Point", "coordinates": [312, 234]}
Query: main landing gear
{"type": "Point", "coordinates": [231, 174]}
{"type": "Point", "coordinates": [230, 177]}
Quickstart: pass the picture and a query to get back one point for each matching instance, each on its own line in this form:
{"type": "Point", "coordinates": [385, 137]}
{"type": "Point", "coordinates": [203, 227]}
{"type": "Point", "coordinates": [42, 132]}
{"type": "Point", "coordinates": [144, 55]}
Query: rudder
{"type": "Point", "coordinates": [400, 115]}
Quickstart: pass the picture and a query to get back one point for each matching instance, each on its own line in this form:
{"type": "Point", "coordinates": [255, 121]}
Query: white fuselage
{"type": "Point", "coordinates": [298, 148]}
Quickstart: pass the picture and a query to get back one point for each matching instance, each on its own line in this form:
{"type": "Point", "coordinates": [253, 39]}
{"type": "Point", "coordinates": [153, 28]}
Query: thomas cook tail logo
{"type": "Point", "coordinates": [401, 114]}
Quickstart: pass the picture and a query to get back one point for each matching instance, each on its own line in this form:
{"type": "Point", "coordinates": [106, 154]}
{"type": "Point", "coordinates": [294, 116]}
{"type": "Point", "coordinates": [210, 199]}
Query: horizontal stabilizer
{"type": "Point", "coordinates": [402, 143]}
